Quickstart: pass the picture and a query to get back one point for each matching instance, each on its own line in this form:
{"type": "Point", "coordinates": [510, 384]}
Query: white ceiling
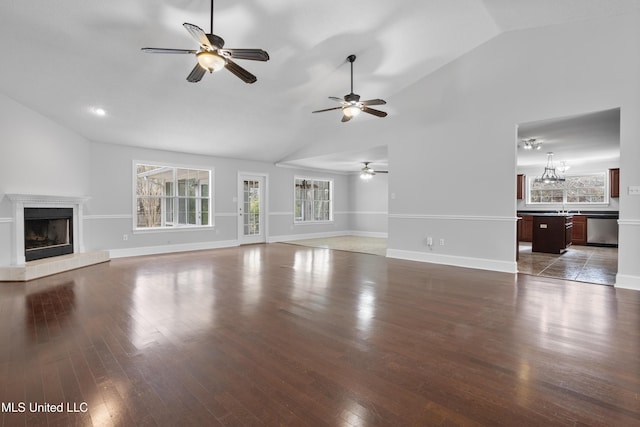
{"type": "Point", "coordinates": [577, 140]}
{"type": "Point", "coordinates": [63, 58]}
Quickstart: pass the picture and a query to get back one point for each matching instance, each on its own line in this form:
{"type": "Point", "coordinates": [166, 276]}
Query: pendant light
{"type": "Point", "coordinates": [549, 176]}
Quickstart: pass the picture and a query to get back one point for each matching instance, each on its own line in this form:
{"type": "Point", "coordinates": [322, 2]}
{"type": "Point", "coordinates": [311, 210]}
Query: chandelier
{"type": "Point", "coordinates": [549, 175]}
{"type": "Point", "coordinates": [531, 144]}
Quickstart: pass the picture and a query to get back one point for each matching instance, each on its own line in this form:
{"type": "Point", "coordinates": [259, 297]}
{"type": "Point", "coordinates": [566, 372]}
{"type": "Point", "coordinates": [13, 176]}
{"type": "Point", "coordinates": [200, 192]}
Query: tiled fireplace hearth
{"type": "Point", "coordinates": [55, 234]}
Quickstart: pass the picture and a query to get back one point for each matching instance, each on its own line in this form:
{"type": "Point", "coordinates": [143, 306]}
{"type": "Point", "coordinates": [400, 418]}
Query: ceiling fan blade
{"type": "Point", "coordinates": [335, 98]}
{"type": "Point", "coordinates": [373, 102]}
{"type": "Point", "coordinates": [327, 109]}
{"type": "Point", "coordinates": [163, 50]}
{"type": "Point", "coordinates": [377, 171]}
{"type": "Point", "coordinates": [373, 111]}
{"type": "Point", "coordinates": [345, 118]}
{"type": "Point", "coordinates": [250, 54]}
{"type": "Point", "coordinates": [240, 72]}
{"type": "Point", "coordinates": [198, 34]}
{"type": "Point", "coordinates": [196, 74]}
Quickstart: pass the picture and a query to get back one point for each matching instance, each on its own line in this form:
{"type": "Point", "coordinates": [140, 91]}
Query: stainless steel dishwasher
{"type": "Point", "coordinates": [602, 231]}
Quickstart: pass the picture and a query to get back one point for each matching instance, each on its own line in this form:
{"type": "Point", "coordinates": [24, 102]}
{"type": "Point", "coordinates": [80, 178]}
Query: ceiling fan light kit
{"type": "Point", "coordinates": [367, 172]}
{"type": "Point", "coordinates": [351, 111]}
{"type": "Point", "coordinates": [351, 104]}
{"type": "Point", "coordinates": [212, 57]}
{"type": "Point", "coordinates": [210, 61]}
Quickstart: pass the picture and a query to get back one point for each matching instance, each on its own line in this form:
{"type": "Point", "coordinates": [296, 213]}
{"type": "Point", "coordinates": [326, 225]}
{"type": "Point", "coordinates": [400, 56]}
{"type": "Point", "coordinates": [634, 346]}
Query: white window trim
{"type": "Point", "coordinates": [177, 227]}
{"type": "Point", "coordinates": [606, 202]}
{"type": "Point", "coordinates": [331, 211]}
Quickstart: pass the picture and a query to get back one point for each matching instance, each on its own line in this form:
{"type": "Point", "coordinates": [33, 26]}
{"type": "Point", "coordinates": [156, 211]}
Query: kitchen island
{"type": "Point", "coordinates": [552, 233]}
{"type": "Point", "coordinates": [586, 226]}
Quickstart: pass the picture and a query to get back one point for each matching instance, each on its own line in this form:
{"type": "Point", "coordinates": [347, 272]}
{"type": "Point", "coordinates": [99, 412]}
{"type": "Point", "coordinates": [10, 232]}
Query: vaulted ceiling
{"type": "Point", "coordinates": [65, 58]}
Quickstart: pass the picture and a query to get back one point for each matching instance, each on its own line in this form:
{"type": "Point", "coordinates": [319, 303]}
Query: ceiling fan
{"type": "Point", "coordinates": [212, 57]}
{"type": "Point", "coordinates": [368, 172]}
{"type": "Point", "coordinates": [351, 104]}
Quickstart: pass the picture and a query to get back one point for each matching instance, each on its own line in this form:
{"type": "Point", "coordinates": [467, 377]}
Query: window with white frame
{"type": "Point", "coordinates": [576, 189]}
{"type": "Point", "coordinates": [313, 200]}
{"type": "Point", "coordinates": [169, 197]}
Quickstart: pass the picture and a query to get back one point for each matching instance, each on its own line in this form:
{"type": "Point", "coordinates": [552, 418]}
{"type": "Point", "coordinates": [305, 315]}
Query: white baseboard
{"type": "Point", "coordinates": [165, 249]}
{"type": "Point", "coordinates": [626, 281]}
{"type": "Point", "coordinates": [457, 261]}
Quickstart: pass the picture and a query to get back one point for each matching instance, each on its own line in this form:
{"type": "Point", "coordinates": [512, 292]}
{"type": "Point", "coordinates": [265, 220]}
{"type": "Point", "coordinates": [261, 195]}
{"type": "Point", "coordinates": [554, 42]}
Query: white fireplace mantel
{"type": "Point", "coordinates": [21, 201]}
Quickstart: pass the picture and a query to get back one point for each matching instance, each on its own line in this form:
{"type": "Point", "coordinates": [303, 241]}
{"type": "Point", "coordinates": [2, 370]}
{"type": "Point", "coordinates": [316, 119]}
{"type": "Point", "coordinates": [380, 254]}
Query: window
{"type": "Point", "coordinates": [313, 200]}
{"type": "Point", "coordinates": [577, 189]}
{"type": "Point", "coordinates": [168, 197]}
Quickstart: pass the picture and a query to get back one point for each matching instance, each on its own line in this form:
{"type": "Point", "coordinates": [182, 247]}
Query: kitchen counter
{"type": "Point", "coordinates": [588, 214]}
{"type": "Point", "coordinates": [552, 233]}
{"type": "Point", "coordinates": [596, 228]}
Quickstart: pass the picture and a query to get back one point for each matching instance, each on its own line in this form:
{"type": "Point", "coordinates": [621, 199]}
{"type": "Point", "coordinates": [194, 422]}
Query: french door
{"type": "Point", "coordinates": [251, 209]}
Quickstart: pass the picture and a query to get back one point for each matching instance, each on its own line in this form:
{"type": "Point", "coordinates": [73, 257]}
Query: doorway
{"type": "Point", "coordinates": [564, 167]}
{"type": "Point", "coordinates": [251, 208]}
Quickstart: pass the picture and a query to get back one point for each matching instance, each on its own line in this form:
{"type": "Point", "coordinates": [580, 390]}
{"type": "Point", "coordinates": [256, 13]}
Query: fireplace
{"type": "Point", "coordinates": [48, 232]}
{"type": "Point", "coordinates": [44, 227]}
{"type": "Point", "coordinates": [50, 219]}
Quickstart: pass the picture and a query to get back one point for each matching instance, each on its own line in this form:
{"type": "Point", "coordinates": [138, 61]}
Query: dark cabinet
{"type": "Point", "coordinates": [614, 182]}
{"type": "Point", "coordinates": [579, 234]}
{"type": "Point", "coordinates": [520, 186]}
{"type": "Point", "coordinates": [525, 228]}
{"type": "Point", "coordinates": [552, 233]}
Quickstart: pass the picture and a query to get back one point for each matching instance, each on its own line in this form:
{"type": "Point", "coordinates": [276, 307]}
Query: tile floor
{"type": "Point", "coordinates": [589, 264]}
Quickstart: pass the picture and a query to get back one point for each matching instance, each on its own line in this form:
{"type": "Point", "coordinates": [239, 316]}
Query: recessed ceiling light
{"type": "Point", "coordinates": [98, 111]}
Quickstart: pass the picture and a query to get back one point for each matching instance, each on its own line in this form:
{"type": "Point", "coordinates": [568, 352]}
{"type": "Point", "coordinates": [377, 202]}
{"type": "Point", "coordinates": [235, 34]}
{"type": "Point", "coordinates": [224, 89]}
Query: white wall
{"type": "Point", "coordinates": [37, 156]}
{"type": "Point", "coordinates": [462, 143]}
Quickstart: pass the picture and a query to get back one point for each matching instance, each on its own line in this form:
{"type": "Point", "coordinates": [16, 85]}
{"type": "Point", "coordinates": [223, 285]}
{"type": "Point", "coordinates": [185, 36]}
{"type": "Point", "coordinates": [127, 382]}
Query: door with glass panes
{"type": "Point", "coordinates": [251, 209]}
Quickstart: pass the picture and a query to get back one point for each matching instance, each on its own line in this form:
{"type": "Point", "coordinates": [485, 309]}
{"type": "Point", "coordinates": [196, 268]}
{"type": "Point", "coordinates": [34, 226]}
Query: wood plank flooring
{"type": "Point", "coordinates": [281, 334]}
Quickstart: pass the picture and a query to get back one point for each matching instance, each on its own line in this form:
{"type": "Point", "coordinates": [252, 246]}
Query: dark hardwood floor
{"type": "Point", "coordinates": [287, 335]}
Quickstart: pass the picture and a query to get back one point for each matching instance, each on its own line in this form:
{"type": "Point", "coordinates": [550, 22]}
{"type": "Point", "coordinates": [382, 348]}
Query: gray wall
{"type": "Point", "coordinates": [463, 140]}
{"type": "Point", "coordinates": [369, 205]}
{"type": "Point", "coordinates": [38, 156]}
{"type": "Point", "coordinates": [110, 209]}
{"type": "Point", "coordinates": [453, 154]}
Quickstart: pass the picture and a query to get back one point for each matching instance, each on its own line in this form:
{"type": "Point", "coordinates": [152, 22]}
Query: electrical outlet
{"type": "Point", "coordinates": [634, 190]}
{"type": "Point", "coordinates": [125, 237]}
{"type": "Point", "coordinates": [429, 241]}
{"type": "Point", "coordinates": [441, 242]}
